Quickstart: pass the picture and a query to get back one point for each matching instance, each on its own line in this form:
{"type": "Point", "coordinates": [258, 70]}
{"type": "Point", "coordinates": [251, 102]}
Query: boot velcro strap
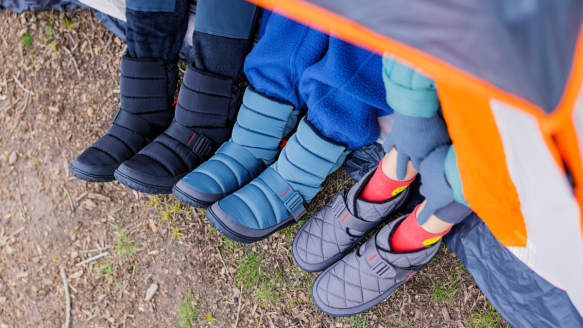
{"type": "Point", "coordinates": [347, 220]}
{"type": "Point", "coordinates": [137, 124]}
{"type": "Point", "coordinates": [382, 268]}
{"type": "Point", "coordinates": [243, 157]}
{"type": "Point", "coordinates": [199, 144]}
{"type": "Point", "coordinates": [292, 200]}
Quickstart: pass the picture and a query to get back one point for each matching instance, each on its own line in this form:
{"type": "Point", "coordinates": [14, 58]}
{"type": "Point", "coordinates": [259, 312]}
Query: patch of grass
{"type": "Point", "coordinates": [49, 31]}
{"type": "Point", "coordinates": [444, 292]}
{"type": "Point", "coordinates": [249, 272]}
{"type": "Point", "coordinates": [69, 23]}
{"type": "Point", "coordinates": [108, 270]}
{"type": "Point", "coordinates": [358, 321]}
{"type": "Point", "coordinates": [153, 200]}
{"type": "Point", "coordinates": [26, 41]}
{"type": "Point", "coordinates": [485, 318]}
{"type": "Point", "coordinates": [125, 244]}
{"type": "Point", "coordinates": [266, 293]}
{"type": "Point", "coordinates": [187, 311]}
{"type": "Point", "coordinates": [176, 234]}
{"type": "Point", "coordinates": [208, 318]}
{"type": "Point", "coordinates": [229, 246]}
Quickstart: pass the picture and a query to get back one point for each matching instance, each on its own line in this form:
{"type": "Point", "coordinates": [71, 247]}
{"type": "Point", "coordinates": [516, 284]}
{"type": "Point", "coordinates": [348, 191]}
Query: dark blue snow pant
{"type": "Point", "coordinates": [340, 84]}
{"type": "Point", "coordinates": [223, 32]}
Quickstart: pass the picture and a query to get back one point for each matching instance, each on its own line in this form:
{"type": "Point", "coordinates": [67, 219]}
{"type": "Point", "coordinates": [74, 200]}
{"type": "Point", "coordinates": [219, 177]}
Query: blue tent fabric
{"type": "Point", "coordinates": [522, 297]}
{"type": "Point", "coordinates": [19, 6]}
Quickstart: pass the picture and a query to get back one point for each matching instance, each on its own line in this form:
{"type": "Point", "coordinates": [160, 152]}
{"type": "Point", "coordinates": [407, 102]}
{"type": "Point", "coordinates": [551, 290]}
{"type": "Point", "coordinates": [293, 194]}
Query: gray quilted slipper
{"type": "Point", "coordinates": [337, 228]}
{"type": "Point", "coordinates": [368, 275]}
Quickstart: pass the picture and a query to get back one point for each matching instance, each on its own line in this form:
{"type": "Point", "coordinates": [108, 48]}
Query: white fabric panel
{"type": "Point", "coordinates": [551, 213]}
{"type": "Point", "coordinates": [578, 119]}
{"type": "Point", "coordinates": [385, 125]}
{"type": "Point", "coordinates": [114, 8]}
{"type": "Point", "coordinates": [117, 9]}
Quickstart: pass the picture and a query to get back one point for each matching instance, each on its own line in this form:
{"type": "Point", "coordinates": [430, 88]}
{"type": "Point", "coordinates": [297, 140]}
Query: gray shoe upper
{"type": "Point", "coordinates": [337, 228]}
{"type": "Point", "coordinates": [368, 275]}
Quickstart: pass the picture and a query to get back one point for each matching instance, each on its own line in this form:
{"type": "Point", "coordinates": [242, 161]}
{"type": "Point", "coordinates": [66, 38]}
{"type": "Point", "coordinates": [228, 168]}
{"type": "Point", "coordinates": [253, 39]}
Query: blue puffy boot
{"type": "Point", "coordinates": [205, 112]}
{"type": "Point", "coordinates": [261, 125]}
{"type": "Point", "coordinates": [147, 92]}
{"type": "Point", "coordinates": [279, 196]}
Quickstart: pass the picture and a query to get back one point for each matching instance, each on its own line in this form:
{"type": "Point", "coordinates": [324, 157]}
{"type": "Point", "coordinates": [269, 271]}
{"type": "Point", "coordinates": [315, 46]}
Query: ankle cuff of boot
{"type": "Point", "coordinates": [261, 124]}
{"type": "Point", "coordinates": [307, 159]}
{"type": "Point", "coordinates": [147, 83]}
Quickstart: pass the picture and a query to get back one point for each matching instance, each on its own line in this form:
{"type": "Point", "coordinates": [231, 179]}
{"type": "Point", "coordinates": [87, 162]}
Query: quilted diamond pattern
{"type": "Point", "coordinates": [351, 284]}
{"type": "Point", "coordinates": [324, 239]}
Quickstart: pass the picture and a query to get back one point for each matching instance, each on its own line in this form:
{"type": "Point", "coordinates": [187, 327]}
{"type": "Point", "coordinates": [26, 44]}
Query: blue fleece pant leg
{"type": "Point", "coordinates": [274, 67]}
{"type": "Point", "coordinates": [344, 93]}
{"type": "Point", "coordinates": [156, 28]}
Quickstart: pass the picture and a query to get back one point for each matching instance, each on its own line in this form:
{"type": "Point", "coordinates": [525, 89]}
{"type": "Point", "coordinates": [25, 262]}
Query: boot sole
{"type": "Point", "coordinates": [90, 177]}
{"type": "Point", "coordinates": [189, 200]}
{"type": "Point", "coordinates": [229, 233]}
{"type": "Point", "coordinates": [141, 186]}
{"type": "Point", "coordinates": [362, 308]}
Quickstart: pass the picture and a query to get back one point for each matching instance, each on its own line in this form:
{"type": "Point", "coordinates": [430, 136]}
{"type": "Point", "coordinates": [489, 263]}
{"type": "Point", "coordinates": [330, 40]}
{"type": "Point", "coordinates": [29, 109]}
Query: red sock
{"type": "Point", "coordinates": [411, 236]}
{"type": "Point", "coordinates": [380, 187]}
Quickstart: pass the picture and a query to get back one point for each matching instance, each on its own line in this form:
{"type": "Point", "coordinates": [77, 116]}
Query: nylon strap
{"type": "Point", "coordinates": [198, 143]}
{"type": "Point", "coordinates": [136, 124]}
{"type": "Point", "coordinates": [348, 220]}
{"type": "Point", "coordinates": [292, 200]}
{"type": "Point", "coordinates": [382, 268]}
{"type": "Point", "coordinates": [243, 156]}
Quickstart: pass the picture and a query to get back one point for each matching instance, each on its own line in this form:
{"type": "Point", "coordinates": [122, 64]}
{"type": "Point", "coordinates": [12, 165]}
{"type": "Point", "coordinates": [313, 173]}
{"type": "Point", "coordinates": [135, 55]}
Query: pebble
{"type": "Point", "coordinates": [151, 291]}
{"type": "Point", "coordinates": [13, 158]}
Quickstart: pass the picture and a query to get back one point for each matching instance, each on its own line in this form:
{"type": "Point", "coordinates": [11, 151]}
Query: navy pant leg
{"type": "Point", "coordinates": [224, 31]}
{"type": "Point", "coordinates": [156, 28]}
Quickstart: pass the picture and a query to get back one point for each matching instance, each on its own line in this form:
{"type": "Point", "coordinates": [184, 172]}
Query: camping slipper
{"type": "Point", "coordinates": [279, 196]}
{"type": "Point", "coordinates": [203, 121]}
{"type": "Point", "coordinates": [147, 92]}
{"type": "Point", "coordinates": [261, 125]}
{"type": "Point", "coordinates": [368, 275]}
{"type": "Point", "coordinates": [337, 228]}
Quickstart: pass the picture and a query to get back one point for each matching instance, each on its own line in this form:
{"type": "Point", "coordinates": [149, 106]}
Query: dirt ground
{"type": "Point", "coordinates": [59, 88]}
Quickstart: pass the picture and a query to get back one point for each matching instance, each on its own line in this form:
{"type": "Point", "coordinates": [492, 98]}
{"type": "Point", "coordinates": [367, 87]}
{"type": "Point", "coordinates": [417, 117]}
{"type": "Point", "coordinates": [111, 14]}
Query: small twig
{"type": "Point", "coordinates": [224, 265]}
{"type": "Point", "coordinates": [239, 309]}
{"type": "Point", "coordinates": [10, 104]}
{"type": "Point", "coordinates": [270, 322]}
{"type": "Point", "coordinates": [91, 317]}
{"type": "Point", "coordinates": [22, 207]}
{"type": "Point", "coordinates": [25, 105]}
{"type": "Point", "coordinates": [80, 196]}
{"type": "Point", "coordinates": [91, 259]}
{"type": "Point", "coordinates": [74, 61]}
{"type": "Point", "coordinates": [94, 250]}
{"type": "Point", "coordinates": [3, 240]}
{"type": "Point", "coordinates": [70, 200]}
{"type": "Point", "coordinates": [92, 25]}
{"type": "Point", "coordinates": [123, 51]}
{"type": "Point", "coordinates": [75, 44]}
{"type": "Point", "coordinates": [106, 44]}
{"type": "Point", "coordinates": [22, 86]}
{"type": "Point", "coordinates": [260, 319]}
{"type": "Point", "coordinates": [64, 276]}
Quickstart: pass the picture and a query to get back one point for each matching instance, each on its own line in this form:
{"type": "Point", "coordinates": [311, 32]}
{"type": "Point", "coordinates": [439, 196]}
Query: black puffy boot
{"type": "Point", "coordinates": [204, 118]}
{"type": "Point", "coordinates": [147, 87]}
